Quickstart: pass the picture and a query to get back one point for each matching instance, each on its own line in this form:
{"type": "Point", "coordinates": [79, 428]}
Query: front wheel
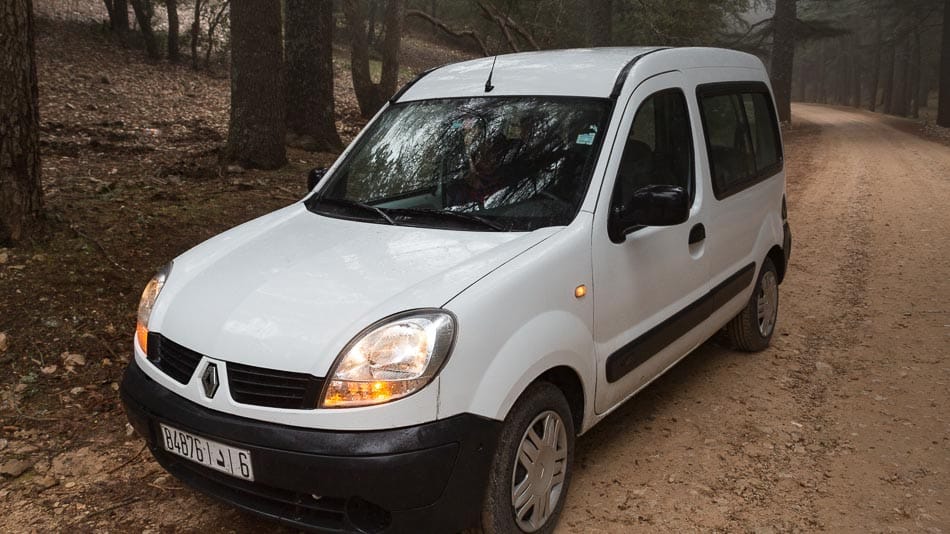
{"type": "Point", "coordinates": [752, 329]}
{"type": "Point", "coordinates": [532, 466]}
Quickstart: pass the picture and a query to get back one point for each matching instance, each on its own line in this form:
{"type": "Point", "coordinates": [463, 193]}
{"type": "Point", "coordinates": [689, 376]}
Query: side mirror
{"type": "Point", "coordinates": [314, 177]}
{"type": "Point", "coordinates": [653, 205]}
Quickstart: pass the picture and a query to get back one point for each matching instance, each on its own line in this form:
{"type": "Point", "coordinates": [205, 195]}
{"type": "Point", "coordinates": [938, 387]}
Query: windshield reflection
{"type": "Point", "coordinates": [505, 163]}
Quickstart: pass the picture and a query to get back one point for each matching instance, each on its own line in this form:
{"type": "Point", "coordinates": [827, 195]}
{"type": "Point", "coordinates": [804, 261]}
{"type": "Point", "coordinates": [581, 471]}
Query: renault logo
{"type": "Point", "coordinates": [209, 380]}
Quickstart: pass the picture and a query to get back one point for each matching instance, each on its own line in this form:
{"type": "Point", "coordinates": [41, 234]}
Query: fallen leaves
{"type": "Point", "coordinates": [72, 360]}
{"type": "Point", "coordinates": [4, 341]}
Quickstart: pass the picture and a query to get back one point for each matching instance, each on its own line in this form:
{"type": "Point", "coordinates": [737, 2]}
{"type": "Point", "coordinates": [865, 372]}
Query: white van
{"type": "Point", "coordinates": [512, 248]}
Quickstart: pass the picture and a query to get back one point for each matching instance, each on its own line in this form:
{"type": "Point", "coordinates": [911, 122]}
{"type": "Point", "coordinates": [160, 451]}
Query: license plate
{"type": "Point", "coordinates": [231, 460]}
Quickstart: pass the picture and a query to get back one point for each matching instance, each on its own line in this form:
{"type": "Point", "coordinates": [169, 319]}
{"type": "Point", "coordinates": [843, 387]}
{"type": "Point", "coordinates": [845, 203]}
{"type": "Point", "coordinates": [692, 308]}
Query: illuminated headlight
{"type": "Point", "coordinates": [152, 289]}
{"type": "Point", "coordinates": [391, 359]}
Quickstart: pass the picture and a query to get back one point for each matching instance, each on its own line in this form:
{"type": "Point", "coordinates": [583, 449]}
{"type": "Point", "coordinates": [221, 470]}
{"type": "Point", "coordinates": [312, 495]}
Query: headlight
{"type": "Point", "coordinates": [152, 289]}
{"type": "Point", "coordinates": [391, 359]}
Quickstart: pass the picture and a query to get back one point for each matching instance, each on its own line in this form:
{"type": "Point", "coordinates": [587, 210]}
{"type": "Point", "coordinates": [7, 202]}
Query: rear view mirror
{"type": "Point", "coordinates": [653, 205]}
{"type": "Point", "coordinates": [314, 177]}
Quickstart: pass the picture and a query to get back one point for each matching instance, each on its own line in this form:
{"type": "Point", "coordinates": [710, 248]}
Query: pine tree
{"type": "Point", "coordinates": [21, 197]}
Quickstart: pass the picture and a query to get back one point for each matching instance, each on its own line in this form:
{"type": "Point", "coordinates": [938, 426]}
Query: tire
{"type": "Point", "coordinates": [748, 331]}
{"type": "Point", "coordinates": [542, 409]}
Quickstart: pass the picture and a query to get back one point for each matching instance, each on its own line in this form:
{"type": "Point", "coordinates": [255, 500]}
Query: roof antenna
{"type": "Point", "coordinates": [488, 85]}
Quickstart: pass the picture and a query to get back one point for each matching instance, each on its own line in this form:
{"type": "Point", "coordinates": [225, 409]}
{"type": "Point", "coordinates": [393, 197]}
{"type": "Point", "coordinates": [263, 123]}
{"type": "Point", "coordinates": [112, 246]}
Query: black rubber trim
{"type": "Point", "coordinates": [638, 351]}
{"type": "Point", "coordinates": [786, 247]}
{"type": "Point", "coordinates": [445, 462]}
{"type": "Point", "coordinates": [402, 90]}
{"type": "Point", "coordinates": [625, 71]}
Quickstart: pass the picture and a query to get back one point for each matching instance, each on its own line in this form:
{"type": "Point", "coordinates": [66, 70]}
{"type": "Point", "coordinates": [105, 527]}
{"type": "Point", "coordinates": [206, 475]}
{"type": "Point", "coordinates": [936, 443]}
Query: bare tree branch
{"type": "Point", "coordinates": [455, 33]}
{"type": "Point", "coordinates": [212, 26]}
{"type": "Point", "coordinates": [492, 15]}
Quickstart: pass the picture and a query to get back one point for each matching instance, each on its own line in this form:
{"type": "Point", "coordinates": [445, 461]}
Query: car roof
{"type": "Point", "coordinates": [584, 72]}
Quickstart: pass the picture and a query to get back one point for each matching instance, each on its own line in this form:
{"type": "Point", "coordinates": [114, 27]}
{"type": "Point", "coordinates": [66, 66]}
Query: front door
{"type": "Point", "coordinates": [645, 281]}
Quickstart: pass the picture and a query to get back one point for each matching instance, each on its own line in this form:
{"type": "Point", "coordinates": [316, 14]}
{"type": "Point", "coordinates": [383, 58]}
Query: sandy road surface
{"type": "Point", "coordinates": [843, 425]}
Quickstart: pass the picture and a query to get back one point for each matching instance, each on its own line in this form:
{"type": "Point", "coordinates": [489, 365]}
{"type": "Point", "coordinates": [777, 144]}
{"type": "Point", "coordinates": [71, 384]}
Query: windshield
{"type": "Point", "coordinates": [504, 163]}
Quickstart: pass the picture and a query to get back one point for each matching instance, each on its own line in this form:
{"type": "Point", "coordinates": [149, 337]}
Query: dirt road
{"type": "Point", "coordinates": [843, 425]}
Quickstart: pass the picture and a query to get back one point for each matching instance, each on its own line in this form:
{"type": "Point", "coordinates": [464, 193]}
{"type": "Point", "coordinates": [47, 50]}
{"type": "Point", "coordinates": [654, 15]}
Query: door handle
{"type": "Point", "coordinates": [697, 234]}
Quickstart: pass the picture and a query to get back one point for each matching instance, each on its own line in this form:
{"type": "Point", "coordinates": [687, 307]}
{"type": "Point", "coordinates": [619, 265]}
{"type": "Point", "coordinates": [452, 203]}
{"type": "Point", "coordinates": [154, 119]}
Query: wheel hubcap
{"type": "Point", "coordinates": [539, 471]}
{"type": "Point", "coordinates": [767, 303]}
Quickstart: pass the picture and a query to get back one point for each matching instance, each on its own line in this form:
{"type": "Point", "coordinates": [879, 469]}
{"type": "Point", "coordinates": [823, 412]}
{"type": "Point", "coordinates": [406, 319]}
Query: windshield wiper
{"type": "Point", "coordinates": [359, 205]}
{"type": "Point", "coordinates": [456, 215]}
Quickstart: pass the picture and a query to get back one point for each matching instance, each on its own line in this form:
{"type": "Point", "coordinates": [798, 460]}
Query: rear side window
{"type": "Point", "coordinates": [742, 137]}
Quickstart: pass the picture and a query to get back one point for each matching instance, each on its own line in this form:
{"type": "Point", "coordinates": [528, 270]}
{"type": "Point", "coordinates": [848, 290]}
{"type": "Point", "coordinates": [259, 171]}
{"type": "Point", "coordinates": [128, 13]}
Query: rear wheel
{"type": "Point", "coordinates": [532, 466]}
{"type": "Point", "coordinates": [752, 329]}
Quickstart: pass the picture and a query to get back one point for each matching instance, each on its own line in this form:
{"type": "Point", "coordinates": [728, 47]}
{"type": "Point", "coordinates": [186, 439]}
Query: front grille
{"type": "Point", "coordinates": [249, 385]}
{"type": "Point", "coordinates": [174, 360]}
{"type": "Point", "coordinates": [276, 389]}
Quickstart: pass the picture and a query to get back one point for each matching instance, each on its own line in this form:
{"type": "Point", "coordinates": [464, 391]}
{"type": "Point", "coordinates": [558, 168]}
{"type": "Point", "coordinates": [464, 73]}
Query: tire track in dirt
{"type": "Point", "coordinates": [889, 404]}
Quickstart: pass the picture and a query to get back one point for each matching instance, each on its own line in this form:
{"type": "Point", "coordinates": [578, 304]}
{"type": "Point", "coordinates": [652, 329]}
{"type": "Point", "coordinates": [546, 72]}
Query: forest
{"type": "Point", "coordinates": [134, 130]}
{"type": "Point", "coordinates": [874, 54]}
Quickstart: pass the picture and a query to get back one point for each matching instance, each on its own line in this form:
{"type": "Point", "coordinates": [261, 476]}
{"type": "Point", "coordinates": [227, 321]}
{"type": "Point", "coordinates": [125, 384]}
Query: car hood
{"type": "Point", "coordinates": [288, 290]}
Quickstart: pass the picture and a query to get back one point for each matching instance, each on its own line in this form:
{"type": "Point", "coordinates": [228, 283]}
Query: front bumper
{"type": "Point", "coordinates": [425, 478]}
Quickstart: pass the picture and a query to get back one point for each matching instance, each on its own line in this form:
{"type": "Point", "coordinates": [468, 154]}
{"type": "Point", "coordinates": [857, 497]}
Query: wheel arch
{"type": "Point", "coordinates": [777, 255]}
{"type": "Point", "coordinates": [569, 382]}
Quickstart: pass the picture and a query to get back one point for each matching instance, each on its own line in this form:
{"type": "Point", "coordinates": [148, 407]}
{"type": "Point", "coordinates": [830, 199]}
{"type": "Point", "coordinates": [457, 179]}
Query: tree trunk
{"type": "Point", "coordinates": [172, 7]}
{"type": "Point", "coordinates": [783, 55]}
{"type": "Point", "coordinates": [599, 22]}
{"type": "Point", "coordinates": [118, 16]}
{"type": "Point", "coordinates": [363, 86]}
{"type": "Point", "coordinates": [371, 96]}
{"type": "Point", "coordinates": [856, 86]}
{"type": "Point", "coordinates": [923, 85]}
{"type": "Point", "coordinates": [21, 196]}
{"type": "Point", "coordinates": [848, 73]}
{"type": "Point", "coordinates": [809, 74]}
{"type": "Point", "coordinates": [913, 78]}
{"type": "Point", "coordinates": [195, 34]}
{"type": "Point", "coordinates": [876, 74]}
{"type": "Point", "coordinates": [143, 14]}
{"type": "Point", "coordinates": [371, 23]}
{"type": "Point", "coordinates": [842, 67]}
{"type": "Point", "coordinates": [798, 81]}
{"type": "Point", "coordinates": [899, 93]}
{"type": "Point", "coordinates": [858, 91]}
{"type": "Point", "coordinates": [943, 102]}
{"type": "Point", "coordinates": [309, 51]}
{"type": "Point", "coordinates": [395, 13]}
{"type": "Point", "coordinates": [257, 128]}
{"type": "Point", "coordinates": [888, 89]}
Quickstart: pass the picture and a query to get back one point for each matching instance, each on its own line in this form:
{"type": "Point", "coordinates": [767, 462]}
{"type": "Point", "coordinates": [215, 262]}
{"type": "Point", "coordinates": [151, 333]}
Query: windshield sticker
{"type": "Point", "coordinates": [586, 138]}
